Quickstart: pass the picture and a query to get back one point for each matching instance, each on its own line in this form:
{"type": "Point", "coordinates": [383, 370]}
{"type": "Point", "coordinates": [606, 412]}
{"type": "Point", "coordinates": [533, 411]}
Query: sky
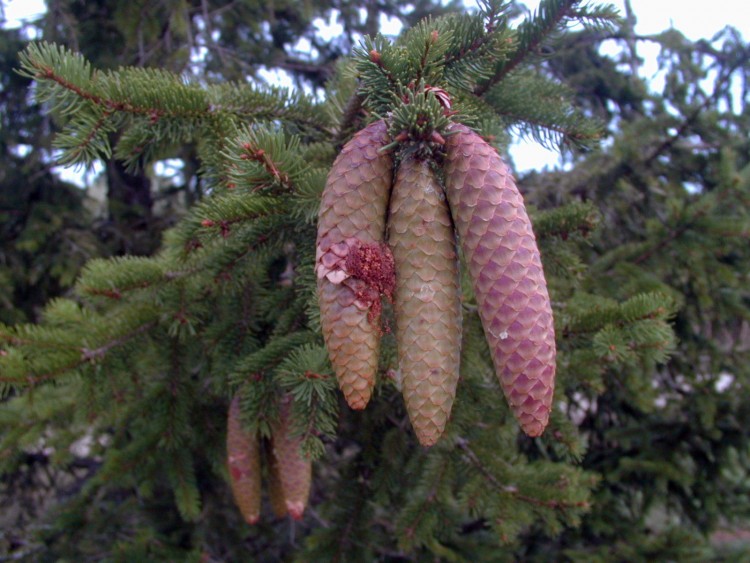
{"type": "Point", "coordinates": [695, 20]}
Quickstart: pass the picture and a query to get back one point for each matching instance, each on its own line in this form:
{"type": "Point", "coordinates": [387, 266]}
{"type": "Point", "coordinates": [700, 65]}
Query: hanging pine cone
{"type": "Point", "coordinates": [506, 270]}
{"type": "Point", "coordinates": [275, 494]}
{"type": "Point", "coordinates": [427, 302]}
{"type": "Point", "coordinates": [294, 471]}
{"type": "Point", "coordinates": [353, 265]}
{"type": "Point", "coordinates": [243, 461]}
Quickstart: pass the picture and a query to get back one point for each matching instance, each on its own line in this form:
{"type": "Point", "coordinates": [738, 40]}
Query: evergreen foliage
{"type": "Point", "coordinates": [44, 223]}
{"type": "Point", "coordinates": [643, 242]}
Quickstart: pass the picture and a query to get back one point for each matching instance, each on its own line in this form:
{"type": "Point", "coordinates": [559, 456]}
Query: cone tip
{"type": "Point", "coordinates": [533, 429]}
{"type": "Point", "coordinates": [296, 509]}
{"type": "Point", "coordinates": [427, 439]}
{"type": "Point", "coordinates": [252, 519]}
{"type": "Point", "coordinates": [357, 401]}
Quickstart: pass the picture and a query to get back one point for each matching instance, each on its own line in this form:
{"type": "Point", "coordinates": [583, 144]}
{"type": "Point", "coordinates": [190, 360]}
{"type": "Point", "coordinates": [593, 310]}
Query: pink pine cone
{"type": "Point", "coordinates": [506, 270]}
{"type": "Point", "coordinates": [354, 267]}
{"type": "Point", "coordinates": [294, 472]}
{"type": "Point", "coordinates": [243, 461]}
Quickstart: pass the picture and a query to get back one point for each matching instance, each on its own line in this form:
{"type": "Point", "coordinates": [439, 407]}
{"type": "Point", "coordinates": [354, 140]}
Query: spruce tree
{"type": "Point", "coordinates": [146, 357]}
{"type": "Point", "coordinates": [670, 441]}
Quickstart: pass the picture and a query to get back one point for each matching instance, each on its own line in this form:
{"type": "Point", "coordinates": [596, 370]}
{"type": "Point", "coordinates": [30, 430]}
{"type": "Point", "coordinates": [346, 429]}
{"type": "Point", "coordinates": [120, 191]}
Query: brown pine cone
{"type": "Point", "coordinates": [503, 259]}
{"type": "Point", "coordinates": [243, 461]}
{"type": "Point", "coordinates": [427, 301]}
{"type": "Point", "coordinates": [353, 265]}
{"type": "Point", "coordinates": [294, 470]}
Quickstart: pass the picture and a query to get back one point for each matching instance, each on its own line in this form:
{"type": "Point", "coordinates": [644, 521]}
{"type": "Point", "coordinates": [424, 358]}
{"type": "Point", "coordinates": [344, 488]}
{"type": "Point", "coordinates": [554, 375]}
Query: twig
{"type": "Point", "coordinates": [512, 489]}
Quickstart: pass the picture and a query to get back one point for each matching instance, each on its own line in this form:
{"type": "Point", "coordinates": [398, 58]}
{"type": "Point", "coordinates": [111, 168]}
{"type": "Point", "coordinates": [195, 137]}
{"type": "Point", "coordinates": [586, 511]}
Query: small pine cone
{"type": "Point", "coordinates": [243, 461]}
{"type": "Point", "coordinates": [505, 267]}
{"type": "Point", "coordinates": [294, 471]}
{"type": "Point", "coordinates": [427, 302]}
{"type": "Point", "coordinates": [353, 265]}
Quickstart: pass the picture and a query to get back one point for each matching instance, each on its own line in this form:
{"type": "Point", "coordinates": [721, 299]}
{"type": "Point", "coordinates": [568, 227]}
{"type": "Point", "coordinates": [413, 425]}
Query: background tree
{"type": "Point", "coordinates": [647, 451]}
{"type": "Point", "coordinates": [43, 221]}
{"type": "Point", "coordinates": [671, 189]}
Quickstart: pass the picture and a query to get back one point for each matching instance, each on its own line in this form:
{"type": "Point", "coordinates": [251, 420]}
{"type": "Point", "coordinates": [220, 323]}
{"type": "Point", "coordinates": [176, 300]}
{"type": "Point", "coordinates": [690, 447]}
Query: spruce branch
{"type": "Point", "coordinates": [430, 497]}
{"type": "Point", "coordinates": [97, 354]}
{"type": "Point", "coordinates": [531, 34]}
{"type": "Point", "coordinates": [512, 490]}
{"type": "Point", "coordinates": [543, 24]}
{"type": "Point", "coordinates": [479, 43]}
{"type": "Point", "coordinates": [350, 117]}
{"type": "Point", "coordinates": [552, 116]}
{"type": "Point", "coordinates": [85, 354]}
{"type": "Point", "coordinates": [152, 106]}
{"type": "Point", "coordinates": [115, 277]}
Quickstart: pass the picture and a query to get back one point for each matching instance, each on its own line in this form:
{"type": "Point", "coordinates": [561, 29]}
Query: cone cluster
{"type": "Point", "coordinates": [396, 238]}
{"type": "Point", "coordinates": [289, 473]}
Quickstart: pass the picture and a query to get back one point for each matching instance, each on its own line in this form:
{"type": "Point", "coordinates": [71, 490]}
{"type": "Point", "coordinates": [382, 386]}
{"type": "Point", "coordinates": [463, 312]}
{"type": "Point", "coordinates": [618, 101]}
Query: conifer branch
{"type": "Point", "coordinates": [86, 355]}
{"type": "Point", "coordinates": [33, 380]}
{"type": "Point", "coordinates": [531, 34]}
{"type": "Point", "coordinates": [626, 168]}
{"type": "Point", "coordinates": [512, 490]}
{"type": "Point", "coordinates": [118, 292]}
{"type": "Point", "coordinates": [409, 530]}
{"type": "Point", "coordinates": [48, 73]}
{"type": "Point", "coordinates": [17, 341]}
{"type": "Point", "coordinates": [91, 355]}
{"type": "Point", "coordinates": [352, 113]}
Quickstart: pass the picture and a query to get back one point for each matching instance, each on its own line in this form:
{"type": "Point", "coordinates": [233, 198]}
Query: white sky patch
{"type": "Point", "coordinates": [304, 48]}
{"type": "Point", "coordinates": [694, 20]}
{"type": "Point", "coordinates": [389, 25]}
{"type": "Point", "coordinates": [724, 382]}
{"type": "Point", "coordinates": [330, 28]}
{"type": "Point", "coordinates": [78, 175]}
{"type": "Point", "coordinates": [529, 155]}
{"type": "Point", "coordinates": [19, 11]}
{"type": "Point", "coordinates": [276, 77]}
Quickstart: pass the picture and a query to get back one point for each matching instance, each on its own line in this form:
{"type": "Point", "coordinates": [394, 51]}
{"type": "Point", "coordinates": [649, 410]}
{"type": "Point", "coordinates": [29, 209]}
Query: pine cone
{"type": "Point", "coordinates": [294, 471]}
{"type": "Point", "coordinates": [276, 495]}
{"type": "Point", "coordinates": [427, 302]}
{"type": "Point", "coordinates": [496, 237]}
{"type": "Point", "coordinates": [243, 460]}
{"type": "Point", "coordinates": [353, 265]}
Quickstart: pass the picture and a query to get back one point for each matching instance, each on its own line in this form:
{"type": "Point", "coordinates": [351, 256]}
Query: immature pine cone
{"type": "Point", "coordinates": [353, 265]}
{"type": "Point", "coordinates": [427, 302]}
{"type": "Point", "coordinates": [243, 460]}
{"type": "Point", "coordinates": [496, 237]}
{"type": "Point", "coordinates": [294, 470]}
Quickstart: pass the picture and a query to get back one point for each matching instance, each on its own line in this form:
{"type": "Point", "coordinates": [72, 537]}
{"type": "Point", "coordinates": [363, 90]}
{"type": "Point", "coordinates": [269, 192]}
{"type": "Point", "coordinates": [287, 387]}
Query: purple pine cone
{"type": "Point", "coordinates": [506, 270]}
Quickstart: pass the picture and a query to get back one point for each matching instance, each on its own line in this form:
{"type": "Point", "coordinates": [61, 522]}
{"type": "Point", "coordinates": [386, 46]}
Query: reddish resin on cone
{"type": "Point", "coordinates": [294, 470]}
{"type": "Point", "coordinates": [243, 462]}
{"type": "Point", "coordinates": [427, 301]}
{"type": "Point", "coordinates": [503, 259]}
{"type": "Point", "coordinates": [352, 262]}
